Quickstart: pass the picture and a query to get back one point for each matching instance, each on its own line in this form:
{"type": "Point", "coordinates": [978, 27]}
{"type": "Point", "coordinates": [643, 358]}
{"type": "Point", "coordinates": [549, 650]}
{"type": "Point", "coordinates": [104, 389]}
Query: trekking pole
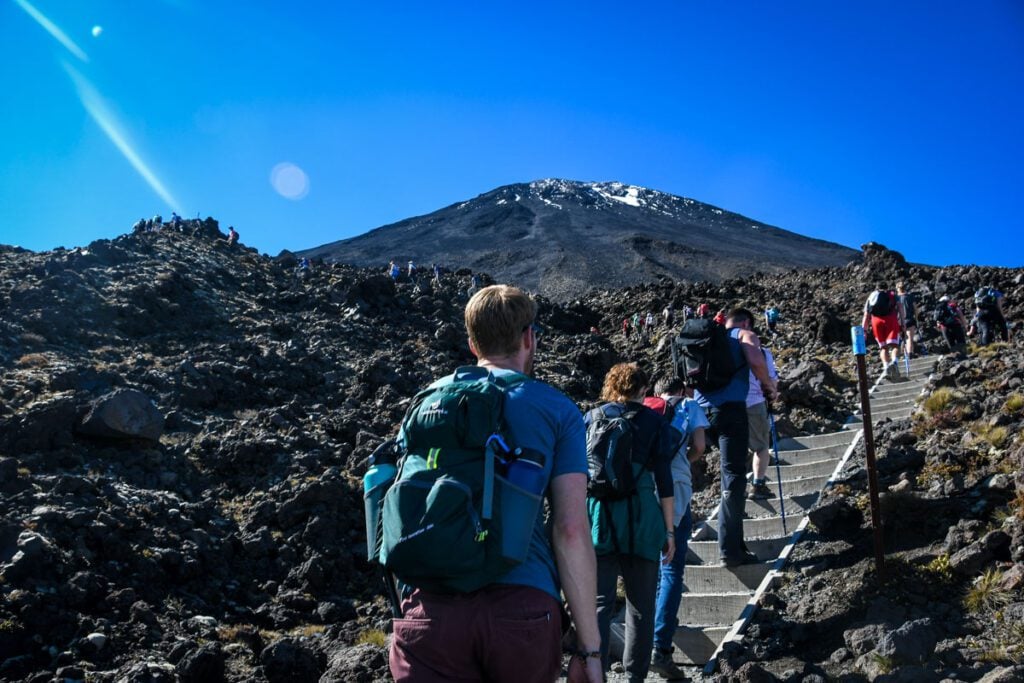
{"type": "Point", "coordinates": [906, 356]}
{"type": "Point", "coordinates": [778, 467]}
{"type": "Point", "coordinates": [392, 593]}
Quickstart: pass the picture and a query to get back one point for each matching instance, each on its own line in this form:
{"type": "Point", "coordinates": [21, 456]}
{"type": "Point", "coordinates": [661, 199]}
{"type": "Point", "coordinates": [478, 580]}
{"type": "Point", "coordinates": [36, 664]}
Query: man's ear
{"type": "Point", "coordinates": [472, 349]}
{"type": "Point", "coordinates": [529, 338]}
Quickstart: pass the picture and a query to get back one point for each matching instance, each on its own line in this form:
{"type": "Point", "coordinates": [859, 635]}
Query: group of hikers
{"type": "Point", "coordinates": [642, 325]}
{"type": "Point", "coordinates": [412, 274]}
{"type": "Point", "coordinates": [891, 317]}
{"type": "Point", "coordinates": [478, 571]}
{"type": "Point", "coordinates": [192, 226]}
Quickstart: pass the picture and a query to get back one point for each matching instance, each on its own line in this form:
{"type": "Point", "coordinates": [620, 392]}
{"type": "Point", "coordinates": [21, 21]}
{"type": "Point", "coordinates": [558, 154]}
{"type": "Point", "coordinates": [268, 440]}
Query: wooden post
{"type": "Point", "coordinates": [859, 351]}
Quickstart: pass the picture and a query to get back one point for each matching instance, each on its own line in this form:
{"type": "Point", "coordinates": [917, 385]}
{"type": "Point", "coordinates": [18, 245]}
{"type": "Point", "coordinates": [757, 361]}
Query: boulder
{"type": "Point", "coordinates": [123, 414]}
{"type": "Point", "coordinates": [912, 642]}
{"type": "Point", "coordinates": [289, 660]}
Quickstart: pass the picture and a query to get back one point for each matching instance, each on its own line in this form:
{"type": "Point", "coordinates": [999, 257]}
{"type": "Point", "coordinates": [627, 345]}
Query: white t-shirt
{"type": "Point", "coordinates": [754, 393]}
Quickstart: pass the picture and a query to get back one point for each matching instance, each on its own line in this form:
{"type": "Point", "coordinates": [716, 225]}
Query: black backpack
{"type": "Point", "coordinates": [610, 453]}
{"type": "Point", "coordinates": [985, 299]}
{"type": "Point", "coordinates": [880, 303]}
{"type": "Point", "coordinates": [944, 315]}
{"type": "Point", "coordinates": [702, 357]}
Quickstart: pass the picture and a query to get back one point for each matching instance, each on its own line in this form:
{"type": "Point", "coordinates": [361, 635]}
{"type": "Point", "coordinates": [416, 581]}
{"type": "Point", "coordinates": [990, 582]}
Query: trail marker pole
{"type": "Point", "coordinates": [859, 351]}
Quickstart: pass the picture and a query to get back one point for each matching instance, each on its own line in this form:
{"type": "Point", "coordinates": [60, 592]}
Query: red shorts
{"type": "Point", "coordinates": [886, 330]}
{"type": "Point", "coordinates": [502, 633]}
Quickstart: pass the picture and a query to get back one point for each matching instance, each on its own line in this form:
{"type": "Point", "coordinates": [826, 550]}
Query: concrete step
{"type": "Point", "coordinates": [802, 468]}
{"type": "Point", "coordinates": [762, 527]}
{"type": "Point", "coordinates": [884, 403]}
{"type": "Point", "coordinates": [706, 552]}
{"type": "Point", "coordinates": [795, 457]}
{"type": "Point", "coordinates": [696, 644]}
{"type": "Point", "coordinates": [795, 505]}
{"type": "Point", "coordinates": [712, 609]}
{"type": "Point", "coordinates": [797, 442]}
{"type": "Point", "coordinates": [722, 579]}
{"type": "Point", "coordinates": [898, 388]}
{"type": "Point", "coordinates": [857, 422]}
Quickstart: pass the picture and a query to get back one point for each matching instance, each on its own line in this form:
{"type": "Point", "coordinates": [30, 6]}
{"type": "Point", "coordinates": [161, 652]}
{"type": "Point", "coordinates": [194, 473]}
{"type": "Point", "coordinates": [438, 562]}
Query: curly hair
{"type": "Point", "coordinates": [624, 382]}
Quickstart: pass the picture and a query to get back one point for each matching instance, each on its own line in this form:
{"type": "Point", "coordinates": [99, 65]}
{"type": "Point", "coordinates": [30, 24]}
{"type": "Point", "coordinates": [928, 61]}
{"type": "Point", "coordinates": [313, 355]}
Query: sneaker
{"type": "Point", "coordinates": [746, 557]}
{"type": "Point", "coordinates": [662, 664]}
{"type": "Point", "coordinates": [892, 372]}
{"type": "Point", "coordinates": [760, 491]}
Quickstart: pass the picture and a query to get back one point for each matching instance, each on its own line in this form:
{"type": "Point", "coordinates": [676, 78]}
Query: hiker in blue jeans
{"type": "Point", "coordinates": [685, 423]}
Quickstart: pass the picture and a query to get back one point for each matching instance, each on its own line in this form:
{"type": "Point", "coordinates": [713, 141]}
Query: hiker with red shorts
{"type": "Point", "coordinates": [885, 316]}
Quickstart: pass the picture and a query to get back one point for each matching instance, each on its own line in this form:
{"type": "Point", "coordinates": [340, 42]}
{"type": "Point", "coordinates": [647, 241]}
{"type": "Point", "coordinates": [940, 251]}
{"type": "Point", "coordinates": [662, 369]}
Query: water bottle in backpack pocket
{"type": "Point", "coordinates": [521, 498]}
{"type": "Point", "coordinates": [376, 482]}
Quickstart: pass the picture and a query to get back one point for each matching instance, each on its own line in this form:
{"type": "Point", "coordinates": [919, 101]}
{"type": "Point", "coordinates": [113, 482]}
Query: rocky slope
{"type": "Point", "coordinates": [183, 426]}
{"type": "Point", "coordinates": [563, 237]}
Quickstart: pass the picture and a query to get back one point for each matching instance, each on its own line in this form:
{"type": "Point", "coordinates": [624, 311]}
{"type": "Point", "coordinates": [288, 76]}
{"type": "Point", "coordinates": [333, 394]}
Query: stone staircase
{"type": "Point", "coordinates": [718, 601]}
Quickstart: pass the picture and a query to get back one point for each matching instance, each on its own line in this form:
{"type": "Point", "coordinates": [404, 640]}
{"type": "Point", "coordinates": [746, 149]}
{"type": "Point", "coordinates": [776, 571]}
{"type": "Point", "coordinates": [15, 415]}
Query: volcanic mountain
{"type": "Point", "coordinates": [563, 237]}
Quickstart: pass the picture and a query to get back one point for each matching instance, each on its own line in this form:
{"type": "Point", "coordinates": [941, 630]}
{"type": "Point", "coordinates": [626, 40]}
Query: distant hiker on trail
{"type": "Point", "coordinates": [760, 430]}
{"type": "Point", "coordinates": [909, 304]}
{"type": "Point", "coordinates": [989, 316]}
{"type": "Point", "coordinates": [720, 317]}
{"type": "Point", "coordinates": [437, 272]}
{"type": "Point", "coordinates": [727, 412]}
{"type": "Point", "coordinates": [394, 271]}
{"type": "Point", "coordinates": [668, 316]}
{"type": "Point", "coordinates": [771, 319]}
{"type": "Point", "coordinates": [704, 311]}
{"type": "Point", "coordinates": [157, 223]}
{"type": "Point", "coordinates": [511, 628]}
{"type": "Point", "coordinates": [951, 322]}
{"type": "Point", "coordinates": [140, 226]}
{"type": "Point", "coordinates": [636, 325]}
{"type": "Point", "coordinates": [687, 313]}
{"type": "Point", "coordinates": [412, 270]}
{"type": "Point", "coordinates": [686, 422]}
{"type": "Point", "coordinates": [232, 236]}
{"type": "Point", "coordinates": [625, 328]}
{"type": "Point", "coordinates": [631, 506]}
{"type": "Point", "coordinates": [175, 220]}
{"type": "Point", "coordinates": [883, 316]}
{"type": "Point", "coordinates": [649, 322]}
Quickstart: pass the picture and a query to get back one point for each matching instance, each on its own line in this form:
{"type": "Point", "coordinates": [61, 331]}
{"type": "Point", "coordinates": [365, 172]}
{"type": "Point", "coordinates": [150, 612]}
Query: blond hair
{"type": "Point", "coordinates": [496, 318]}
{"type": "Point", "coordinates": [624, 382]}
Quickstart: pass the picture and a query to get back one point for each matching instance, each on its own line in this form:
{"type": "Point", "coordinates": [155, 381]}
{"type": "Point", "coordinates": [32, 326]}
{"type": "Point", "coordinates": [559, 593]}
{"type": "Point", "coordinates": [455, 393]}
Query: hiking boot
{"type": "Point", "coordinates": [662, 664]}
{"type": "Point", "coordinates": [760, 491]}
{"type": "Point", "coordinates": [892, 373]}
{"type": "Point", "coordinates": [746, 557]}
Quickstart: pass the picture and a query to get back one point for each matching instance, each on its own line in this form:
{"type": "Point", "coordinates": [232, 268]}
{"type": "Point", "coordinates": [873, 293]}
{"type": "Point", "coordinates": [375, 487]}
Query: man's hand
{"type": "Point", "coordinates": [668, 551]}
{"type": "Point", "coordinates": [591, 672]}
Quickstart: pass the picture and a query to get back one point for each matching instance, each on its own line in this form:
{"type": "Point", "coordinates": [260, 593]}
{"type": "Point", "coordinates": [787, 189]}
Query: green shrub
{"type": "Point", "coordinates": [986, 594]}
{"type": "Point", "coordinates": [938, 401]}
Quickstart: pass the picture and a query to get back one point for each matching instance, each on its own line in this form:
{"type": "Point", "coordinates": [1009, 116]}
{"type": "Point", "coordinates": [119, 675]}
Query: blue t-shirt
{"type": "Point", "coordinates": [542, 419]}
{"type": "Point", "coordinates": [688, 418]}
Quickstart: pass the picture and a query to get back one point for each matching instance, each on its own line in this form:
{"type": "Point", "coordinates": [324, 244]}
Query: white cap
{"type": "Point", "coordinates": [943, 298]}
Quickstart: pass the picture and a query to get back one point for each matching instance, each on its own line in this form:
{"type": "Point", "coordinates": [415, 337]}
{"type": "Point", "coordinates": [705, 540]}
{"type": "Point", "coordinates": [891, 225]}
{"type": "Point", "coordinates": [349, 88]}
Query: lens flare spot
{"type": "Point", "coordinates": [97, 31]}
{"type": "Point", "coordinates": [289, 181]}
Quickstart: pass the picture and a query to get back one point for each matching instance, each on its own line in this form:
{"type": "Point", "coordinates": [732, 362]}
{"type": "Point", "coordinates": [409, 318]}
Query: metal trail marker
{"type": "Point", "coordinates": [859, 351]}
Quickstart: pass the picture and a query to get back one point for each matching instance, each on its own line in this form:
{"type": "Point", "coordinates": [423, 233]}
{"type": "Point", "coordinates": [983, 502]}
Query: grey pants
{"type": "Point", "coordinates": [640, 578]}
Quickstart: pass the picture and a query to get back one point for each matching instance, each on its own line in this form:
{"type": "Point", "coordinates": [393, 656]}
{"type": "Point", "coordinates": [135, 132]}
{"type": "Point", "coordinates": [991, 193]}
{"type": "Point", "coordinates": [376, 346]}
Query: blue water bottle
{"type": "Point", "coordinates": [527, 472]}
{"type": "Point", "coordinates": [376, 483]}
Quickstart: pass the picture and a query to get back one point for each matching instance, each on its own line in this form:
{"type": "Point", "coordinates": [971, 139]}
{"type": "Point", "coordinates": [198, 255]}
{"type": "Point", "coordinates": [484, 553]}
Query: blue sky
{"type": "Point", "coordinates": [893, 122]}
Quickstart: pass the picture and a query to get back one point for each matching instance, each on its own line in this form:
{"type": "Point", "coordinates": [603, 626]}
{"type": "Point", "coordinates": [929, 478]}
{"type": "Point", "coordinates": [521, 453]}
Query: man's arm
{"type": "Point", "coordinates": [697, 445]}
{"type": "Point", "coordinates": [751, 346]}
{"type": "Point", "coordinates": [574, 555]}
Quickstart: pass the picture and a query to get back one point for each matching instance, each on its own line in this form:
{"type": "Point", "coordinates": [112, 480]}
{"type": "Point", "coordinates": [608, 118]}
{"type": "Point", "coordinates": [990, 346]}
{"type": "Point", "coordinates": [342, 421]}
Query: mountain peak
{"type": "Point", "coordinates": [562, 237]}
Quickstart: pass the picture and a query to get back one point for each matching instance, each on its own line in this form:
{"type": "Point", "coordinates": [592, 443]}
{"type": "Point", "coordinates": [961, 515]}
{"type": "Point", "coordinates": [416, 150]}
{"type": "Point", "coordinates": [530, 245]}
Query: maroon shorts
{"type": "Point", "coordinates": [502, 633]}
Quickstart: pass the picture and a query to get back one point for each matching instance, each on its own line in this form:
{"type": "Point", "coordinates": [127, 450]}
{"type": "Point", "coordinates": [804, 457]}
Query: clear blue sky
{"type": "Point", "coordinates": [899, 122]}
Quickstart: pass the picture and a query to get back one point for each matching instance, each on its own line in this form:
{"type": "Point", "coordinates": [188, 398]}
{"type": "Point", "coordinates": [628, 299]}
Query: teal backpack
{"type": "Point", "coordinates": [451, 521]}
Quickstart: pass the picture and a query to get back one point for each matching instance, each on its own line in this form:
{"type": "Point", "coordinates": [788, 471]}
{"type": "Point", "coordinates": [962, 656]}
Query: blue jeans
{"type": "Point", "coordinates": [670, 587]}
{"type": "Point", "coordinates": [729, 421]}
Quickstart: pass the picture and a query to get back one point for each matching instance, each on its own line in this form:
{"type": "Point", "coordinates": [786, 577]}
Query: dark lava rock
{"type": "Point", "coordinates": [124, 414]}
{"type": "Point", "coordinates": [359, 664]}
{"type": "Point", "coordinates": [202, 665]}
{"type": "Point", "coordinates": [291, 660]}
{"type": "Point", "coordinates": [912, 642]}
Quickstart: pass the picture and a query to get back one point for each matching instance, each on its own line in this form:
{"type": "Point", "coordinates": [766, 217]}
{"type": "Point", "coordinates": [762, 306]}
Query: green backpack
{"type": "Point", "coordinates": [451, 522]}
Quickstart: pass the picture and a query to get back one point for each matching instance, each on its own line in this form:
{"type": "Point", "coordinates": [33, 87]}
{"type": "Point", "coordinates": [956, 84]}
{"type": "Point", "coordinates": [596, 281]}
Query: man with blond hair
{"type": "Point", "coordinates": [511, 629]}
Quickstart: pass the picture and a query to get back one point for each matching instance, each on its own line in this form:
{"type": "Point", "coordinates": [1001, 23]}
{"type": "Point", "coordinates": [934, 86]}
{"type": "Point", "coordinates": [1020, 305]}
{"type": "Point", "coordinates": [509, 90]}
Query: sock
{"type": "Point", "coordinates": [756, 482]}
